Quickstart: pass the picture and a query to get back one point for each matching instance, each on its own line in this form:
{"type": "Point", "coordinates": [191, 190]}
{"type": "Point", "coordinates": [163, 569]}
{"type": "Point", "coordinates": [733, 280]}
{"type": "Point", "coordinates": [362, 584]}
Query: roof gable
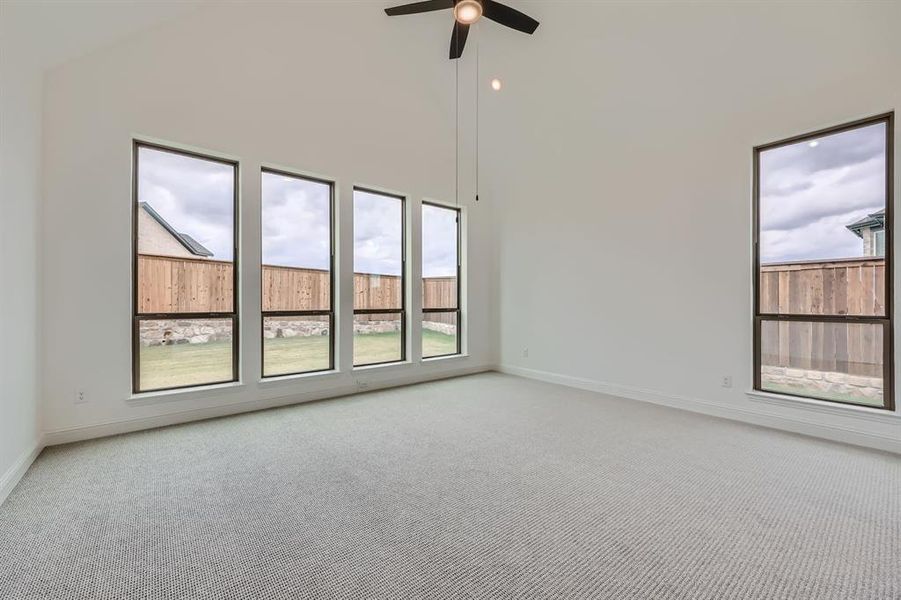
{"type": "Point", "coordinates": [190, 244]}
{"type": "Point", "coordinates": [874, 220]}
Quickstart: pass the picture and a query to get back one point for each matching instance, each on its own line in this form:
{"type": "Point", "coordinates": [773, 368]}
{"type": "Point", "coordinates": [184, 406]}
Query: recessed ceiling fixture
{"type": "Point", "coordinates": [496, 84]}
{"type": "Point", "coordinates": [814, 144]}
{"type": "Point", "coordinates": [467, 12]}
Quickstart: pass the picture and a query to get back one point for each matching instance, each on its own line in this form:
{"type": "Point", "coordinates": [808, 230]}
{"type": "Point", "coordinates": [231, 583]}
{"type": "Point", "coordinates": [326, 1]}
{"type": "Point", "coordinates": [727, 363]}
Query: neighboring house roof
{"type": "Point", "coordinates": [192, 245]}
{"type": "Point", "coordinates": [875, 220]}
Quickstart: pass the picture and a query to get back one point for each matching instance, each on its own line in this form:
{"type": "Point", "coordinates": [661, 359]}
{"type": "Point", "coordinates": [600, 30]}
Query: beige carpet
{"type": "Point", "coordinates": [487, 486]}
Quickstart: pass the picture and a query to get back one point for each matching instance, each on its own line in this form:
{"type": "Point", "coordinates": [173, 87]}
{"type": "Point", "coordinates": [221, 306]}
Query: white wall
{"type": "Point", "coordinates": [20, 185]}
{"type": "Point", "coordinates": [335, 89]}
{"type": "Point", "coordinates": [620, 153]}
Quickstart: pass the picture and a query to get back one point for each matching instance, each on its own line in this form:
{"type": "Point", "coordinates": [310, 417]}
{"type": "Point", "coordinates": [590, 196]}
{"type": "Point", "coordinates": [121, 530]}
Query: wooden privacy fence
{"type": "Point", "coordinates": [169, 284]}
{"type": "Point", "coordinates": [853, 348]}
{"type": "Point", "coordinates": [842, 287]}
{"type": "Point", "coordinates": [183, 285]}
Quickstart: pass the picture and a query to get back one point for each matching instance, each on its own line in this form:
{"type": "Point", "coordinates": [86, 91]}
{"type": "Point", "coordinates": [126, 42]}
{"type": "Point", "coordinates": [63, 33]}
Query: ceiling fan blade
{"type": "Point", "coordinates": [419, 7]}
{"type": "Point", "coordinates": [510, 17]}
{"type": "Point", "coordinates": [458, 39]}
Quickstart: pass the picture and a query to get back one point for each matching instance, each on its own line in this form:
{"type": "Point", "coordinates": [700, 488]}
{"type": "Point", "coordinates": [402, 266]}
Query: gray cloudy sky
{"type": "Point", "coordinates": [378, 226]}
{"type": "Point", "coordinates": [439, 241]}
{"type": "Point", "coordinates": [196, 197]}
{"type": "Point", "coordinates": [295, 222]}
{"type": "Point", "coordinates": [809, 194]}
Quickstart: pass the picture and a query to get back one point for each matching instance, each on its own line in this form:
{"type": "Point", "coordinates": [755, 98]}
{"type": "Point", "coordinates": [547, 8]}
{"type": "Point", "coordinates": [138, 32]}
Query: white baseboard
{"type": "Point", "coordinates": [754, 415]}
{"type": "Point", "coordinates": [14, 474]}
{"type": "Point", "coordinates": [758, 415]}
{"type": "Point", "coordinates": [116, 427]}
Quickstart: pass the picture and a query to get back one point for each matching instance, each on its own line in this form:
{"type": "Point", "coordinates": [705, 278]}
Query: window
{"type": "Point", "coordinates": [185, 269]}
{"type": "Point", "coordinates": [823, 284]}
{"type": "Point", "coordinates": [297, 271]}
{"type": "Point", "coordinates": [379, 281]}
{"type": "Point", "coordinates": [440, 281]}
{"type": "Point", "coordinates": [879, 237]}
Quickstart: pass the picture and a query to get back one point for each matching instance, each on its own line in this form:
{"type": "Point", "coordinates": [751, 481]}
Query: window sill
{"type": "Point", "coordinates": [201, 391]}
{"type": "Point", "coordinates": [824, 406]}
{"type": "Point", "coordinates": [435, 359]}
{"type": "Point", "coordinates": [286, 379]}
{"type": "Point", "coordinates": [400, 363]}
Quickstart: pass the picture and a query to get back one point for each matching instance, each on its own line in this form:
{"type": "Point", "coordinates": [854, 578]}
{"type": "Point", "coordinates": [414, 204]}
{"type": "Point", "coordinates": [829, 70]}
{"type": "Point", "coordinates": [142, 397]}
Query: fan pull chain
{"type": "Point", "coordinates": [478, 96]}
{"type": "Point", "coordinates": [457, 133]}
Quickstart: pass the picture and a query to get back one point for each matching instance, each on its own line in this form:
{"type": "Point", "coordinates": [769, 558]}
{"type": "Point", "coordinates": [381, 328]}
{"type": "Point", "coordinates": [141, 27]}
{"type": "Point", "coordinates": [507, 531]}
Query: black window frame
{"type": "Point", "coordinates": [331, 313]}
{"type": "Point", "coordinates": [402, 311]}
{"type": "Point", "coordinates": [886, 321]}
{"type": "Point", "coordinates": [457, 310]}
{"type": "Point", "coordinates": [138, 316]}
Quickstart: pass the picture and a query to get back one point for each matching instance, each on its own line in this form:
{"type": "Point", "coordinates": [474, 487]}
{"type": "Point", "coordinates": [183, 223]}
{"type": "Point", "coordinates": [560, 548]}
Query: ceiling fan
{"type": "Point", "coordinates": [467, 12]}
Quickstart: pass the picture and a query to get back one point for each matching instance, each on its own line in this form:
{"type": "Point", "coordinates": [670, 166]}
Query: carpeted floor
{"type": "Point", "coordinates": [487, 486]}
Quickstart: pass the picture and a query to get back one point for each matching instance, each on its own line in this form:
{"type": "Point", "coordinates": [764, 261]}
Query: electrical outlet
{"type": "Point", "coordinates": [727, 381]}
{"type": "Point", "coordinates": [80, 397]}
{"type": "Point", "coordinates": [525, 353]}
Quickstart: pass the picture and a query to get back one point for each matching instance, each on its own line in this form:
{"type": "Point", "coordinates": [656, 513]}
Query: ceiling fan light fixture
{"type": "Point", "coordinates": [468, 12]}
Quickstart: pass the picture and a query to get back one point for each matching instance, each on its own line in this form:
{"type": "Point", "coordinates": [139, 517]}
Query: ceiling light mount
{"type": "Point", "coordinates": [467, 12]}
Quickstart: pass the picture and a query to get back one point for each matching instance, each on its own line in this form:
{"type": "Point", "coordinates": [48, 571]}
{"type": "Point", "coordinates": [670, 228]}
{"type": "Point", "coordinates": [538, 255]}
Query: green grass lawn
{"type": "Point", "coordinates": [196, 364]}
{"type": "Point", "coordinates": [373, 348]}
{"type": "Point", "coordinates": [282, 356]}
{"type": "Point", "coordinates": [185, 364]}
{"type": "Point", "coordinates": [435, 343]}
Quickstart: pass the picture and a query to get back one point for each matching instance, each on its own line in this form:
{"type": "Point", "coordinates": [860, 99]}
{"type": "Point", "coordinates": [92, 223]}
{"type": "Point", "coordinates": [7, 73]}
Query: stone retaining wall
{"type": "Point", "coordinates": [827, 382]}
{"type": "Point", "coordinates": [364, 327]}
{"type": "Point", "coordinates": [290, 328]}
{"type": "Point", "coordinates": [202, 331]}
{"type": "Point", "coordinates": [170, 333]}
{"type": "Point", "coordinates": [445, 328]}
